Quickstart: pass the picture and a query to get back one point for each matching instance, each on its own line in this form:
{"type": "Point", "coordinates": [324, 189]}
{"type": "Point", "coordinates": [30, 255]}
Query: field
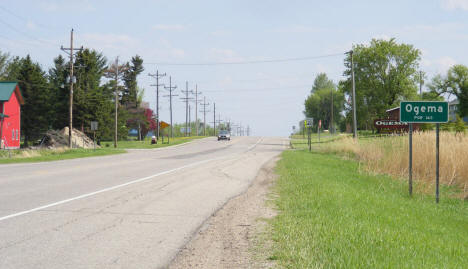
{"type": "Point", "coordinates": [389, 155]}
{"type": "Point", "coordinates": [332, 215]}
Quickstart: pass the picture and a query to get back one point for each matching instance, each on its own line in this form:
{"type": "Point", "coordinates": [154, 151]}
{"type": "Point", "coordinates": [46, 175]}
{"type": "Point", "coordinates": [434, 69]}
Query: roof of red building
{"type": "Point", "coordinates": [6, 90]}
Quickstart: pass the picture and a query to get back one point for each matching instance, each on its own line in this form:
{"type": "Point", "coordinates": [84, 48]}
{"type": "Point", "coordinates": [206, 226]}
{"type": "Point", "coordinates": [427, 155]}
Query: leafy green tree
{"type": "Point", "coordinates": [454, 83]}
{"type": "Point", "coordinates": [318, 103]}
{"type": "Point", "coordinates": [385, 74]}
{"type": "Point", "coordinates": [37, 111]}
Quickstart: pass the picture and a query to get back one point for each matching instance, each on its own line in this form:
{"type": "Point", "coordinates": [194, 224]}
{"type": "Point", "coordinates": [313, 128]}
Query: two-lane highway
{"type": "Point", "coordinates": [134, 210]}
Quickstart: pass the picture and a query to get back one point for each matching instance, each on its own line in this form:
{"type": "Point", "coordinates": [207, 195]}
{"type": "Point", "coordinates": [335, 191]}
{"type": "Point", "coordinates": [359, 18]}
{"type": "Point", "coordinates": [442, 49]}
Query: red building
{"type": "Point", "coordinates": [10, 115]}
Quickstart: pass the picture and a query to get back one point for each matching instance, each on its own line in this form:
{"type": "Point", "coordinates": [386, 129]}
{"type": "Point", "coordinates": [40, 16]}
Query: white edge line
{"type": "Point", "coordinates": [104, 190]}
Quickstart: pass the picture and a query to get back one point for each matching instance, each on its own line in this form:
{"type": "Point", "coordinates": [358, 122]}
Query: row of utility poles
{"type": "Point", "coordinates": [189, 96]}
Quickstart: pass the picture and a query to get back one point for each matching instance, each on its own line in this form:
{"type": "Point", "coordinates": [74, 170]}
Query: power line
{"type": "Point", "coordinates": [24, 19]}
{"type": "Point", "coordinates": [26, 34]}
{"type": "Point", "coordinates": [261, 89]}
{"type": "Point", "coordinates": [250, 62]}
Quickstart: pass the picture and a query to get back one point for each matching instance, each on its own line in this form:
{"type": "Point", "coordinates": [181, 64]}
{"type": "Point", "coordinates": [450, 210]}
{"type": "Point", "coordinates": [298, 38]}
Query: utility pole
{"type": "Point", "coordinates": [171, 89]}
{"type": "Point", "coordinates": [186, 99]}
{"type": "Point", "coordinates": [157, 76]}
{"type": "Point", "coordinates": [354, 97]}
{"type": "Point", "coordinates": [204, 104]}
{"type": "Point", "coordinates": [214, 119]}
{"type": "Point", "coordinates": [71, 51]}
{"type": "Point", "coordinates": [189, 120]}
{"type": "Point", "coordinates": [116, 99]}
{"type": "Point", "coordinates": [420, 83]}
{"type": "Point", "coordinates": [197, 93]}
{"type": "Point", "coordinates": [331, 115]}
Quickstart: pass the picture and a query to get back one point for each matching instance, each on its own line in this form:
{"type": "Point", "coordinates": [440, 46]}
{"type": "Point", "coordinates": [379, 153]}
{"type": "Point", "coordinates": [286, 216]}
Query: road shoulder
{"type": "Point", "coordinates": [234, 236]}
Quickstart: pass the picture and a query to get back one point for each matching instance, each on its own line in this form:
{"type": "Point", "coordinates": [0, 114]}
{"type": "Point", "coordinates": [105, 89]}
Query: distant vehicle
{"type": "Point", "coordinates": [224, 135]}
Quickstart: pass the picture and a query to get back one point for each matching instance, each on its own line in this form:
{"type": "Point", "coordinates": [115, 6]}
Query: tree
{"type": "Point", "coordinates": [4, 60]}
{"type": "Point", "coordinates": [60, 92]}
{"type": "Point", "coordinates": [455, 83]}
{"type": "Point", "coordinates": [385, 73]}
{"type": "Point", "coordinates": [37, 110]}
{"type": "Point", "coordinates": [318, 103]}
{"type": "Point", "coordinates": [89, 96]}
{"type": "Point", "coordinates": [130, 74]}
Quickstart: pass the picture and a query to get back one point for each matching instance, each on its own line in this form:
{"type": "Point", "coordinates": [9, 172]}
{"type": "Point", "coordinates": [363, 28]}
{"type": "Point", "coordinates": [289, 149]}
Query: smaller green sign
{"type": "Point", "coordinates": [424, 111]}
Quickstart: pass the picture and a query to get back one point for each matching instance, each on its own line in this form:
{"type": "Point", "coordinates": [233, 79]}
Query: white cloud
{"type": "Point", "coordinates": [103, 42]}
{"type": "Point", "coordinates": [444, 63]}
{"type": "Point", "coordinates": [31, 25]}
{"type": "Point", "coordinates": [455, 4]}
{"type": "Point", "coordinates": [60, 6]}
{"type": "Point", "coordinates": [169, 27]}
{"type": "Point", "coordinates": [224, 55]}
{"type": "Point", "coordinates": [299, 29]}
{"type": "Point", "coordinates": [382, 36]}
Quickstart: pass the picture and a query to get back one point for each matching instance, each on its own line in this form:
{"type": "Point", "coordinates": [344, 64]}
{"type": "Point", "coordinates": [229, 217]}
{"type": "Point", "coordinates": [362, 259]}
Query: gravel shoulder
{"type": "Point", "coordinates": [235, 236]}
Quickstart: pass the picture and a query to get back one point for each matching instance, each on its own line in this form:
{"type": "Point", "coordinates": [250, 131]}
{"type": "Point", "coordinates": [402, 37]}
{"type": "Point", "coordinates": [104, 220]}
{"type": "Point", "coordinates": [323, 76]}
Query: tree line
{"type": "Point", "coordinates": [46, 94]}
{"type": "Point", "coordinates": [386, 73]}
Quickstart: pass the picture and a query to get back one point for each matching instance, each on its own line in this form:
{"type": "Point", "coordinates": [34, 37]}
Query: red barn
{"type": "Point", "coordinates": [10, 115]}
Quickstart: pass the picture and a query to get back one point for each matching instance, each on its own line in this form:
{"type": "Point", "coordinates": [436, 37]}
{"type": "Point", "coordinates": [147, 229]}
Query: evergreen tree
{"type": "Point", "coordinates": [60, 92]}
{"type": "Point", "coordinates": [37, 110]}
{"type": "Point", "coordinates": [132, 70]}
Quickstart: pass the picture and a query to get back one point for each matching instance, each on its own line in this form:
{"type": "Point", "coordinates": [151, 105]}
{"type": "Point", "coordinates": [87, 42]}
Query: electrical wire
{"type": "Point", "coordinates": [248, 62]}
{"type": "Point", "coordinates": [26, 20]}
{"type": "Point", "coordinates": [26, 34]}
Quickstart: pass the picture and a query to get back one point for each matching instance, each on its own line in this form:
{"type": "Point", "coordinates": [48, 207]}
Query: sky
{"type": "Point", "coordinates": [269, 96]}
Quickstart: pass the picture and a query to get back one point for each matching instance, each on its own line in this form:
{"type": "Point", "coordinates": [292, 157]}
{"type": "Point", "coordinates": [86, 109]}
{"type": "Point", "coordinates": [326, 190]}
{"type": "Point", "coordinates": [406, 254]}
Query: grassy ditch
{"type": "Point", "coordinates": [45, 155]}
{"type": "Point", "coordinates": [333, 216]}
{"type": "Point", "coordinates": [389, 155]}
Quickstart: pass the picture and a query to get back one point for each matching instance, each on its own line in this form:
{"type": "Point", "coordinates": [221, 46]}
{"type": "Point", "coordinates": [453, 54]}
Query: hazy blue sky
{"type": "Point", "coordinates": [269, 97]}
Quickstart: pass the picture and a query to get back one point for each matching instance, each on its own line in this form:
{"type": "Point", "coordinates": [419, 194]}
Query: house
{"type": "Point", "coordinates": [453, 110]}
{"type": "Point", "coordinates": [10, 115]}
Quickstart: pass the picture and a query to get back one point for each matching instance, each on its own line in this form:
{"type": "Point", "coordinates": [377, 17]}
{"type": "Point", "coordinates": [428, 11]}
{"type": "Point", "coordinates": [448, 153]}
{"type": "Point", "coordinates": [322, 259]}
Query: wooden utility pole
{"type": "Point", "coordinates": [214, 119]}
{"type": "Point", "coordinates": [186, 99]}
{"type": "Point", "coordinates": [71, 52]}
{"type": "Point", "coordinates": [171, 89]}
{"type": "Point", "coordinates": [354, 97]}
{"type": "Point", "coordinates": [204, 104]}
{"type": "Point", "coordinates": [157, 76]}
{"type": "Point", "coordinates": [116, 99]}
{"type": "Point", "coordinates": [331, 115]}
{"type": "Point", "coordinates": [197, 93]}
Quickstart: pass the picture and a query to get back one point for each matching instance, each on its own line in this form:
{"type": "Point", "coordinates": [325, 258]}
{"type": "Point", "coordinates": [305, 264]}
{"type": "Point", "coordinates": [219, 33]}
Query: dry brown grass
{"type": "Point", "coordinates": [390, 155]}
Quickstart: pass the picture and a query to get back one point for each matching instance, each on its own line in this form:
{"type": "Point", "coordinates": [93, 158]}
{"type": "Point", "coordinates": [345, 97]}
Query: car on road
{"type": "Point", "coordinates": [224, 135]}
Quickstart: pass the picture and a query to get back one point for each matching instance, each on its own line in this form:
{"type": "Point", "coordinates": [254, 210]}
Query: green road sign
{"type": "Point", "coordinates": [422, 111]}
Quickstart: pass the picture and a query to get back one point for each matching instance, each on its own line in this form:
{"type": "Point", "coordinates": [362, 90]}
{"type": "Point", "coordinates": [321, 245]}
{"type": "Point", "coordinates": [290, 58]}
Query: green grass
{"type": "Point", "coordinates": [332, 216]}
{"type": "Point", "coordinates": [146, 144]}
{"type": "Point", "coordinates": [52, 155]}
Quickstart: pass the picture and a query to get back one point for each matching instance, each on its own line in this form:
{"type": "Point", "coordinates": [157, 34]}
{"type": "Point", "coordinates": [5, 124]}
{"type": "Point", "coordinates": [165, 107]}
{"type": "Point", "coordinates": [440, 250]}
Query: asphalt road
{"type": "Point", "coordinates": [135, 210]}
